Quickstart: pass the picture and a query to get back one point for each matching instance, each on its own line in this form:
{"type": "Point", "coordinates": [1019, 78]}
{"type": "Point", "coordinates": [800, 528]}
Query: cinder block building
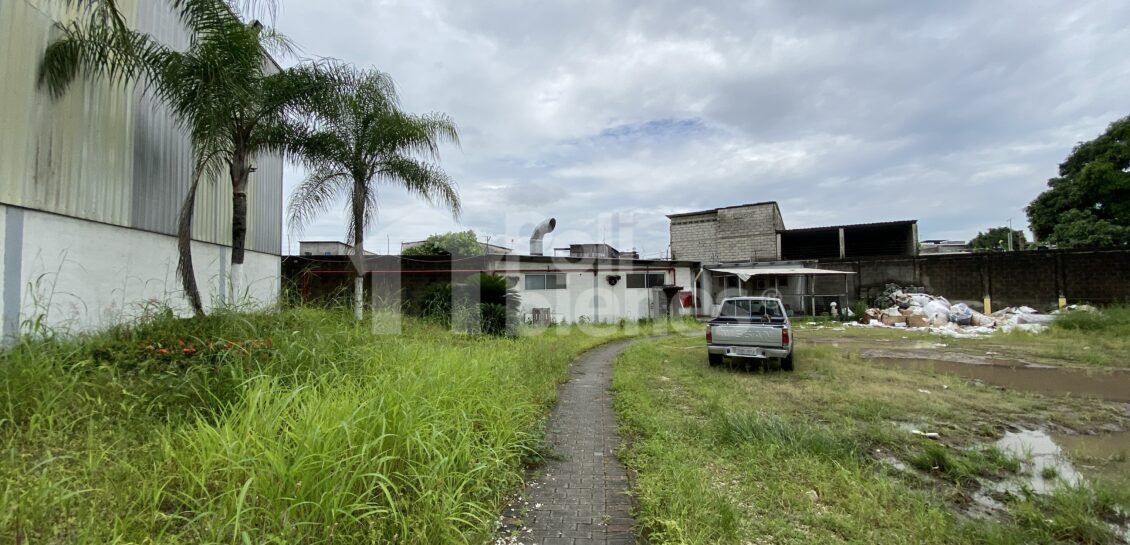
{"type": "Point", "coordinates": [743, 233]}
{"type": "Point", "coordinates": [755, 233]}
{"type": "Point", "coordinates": [746, 250]}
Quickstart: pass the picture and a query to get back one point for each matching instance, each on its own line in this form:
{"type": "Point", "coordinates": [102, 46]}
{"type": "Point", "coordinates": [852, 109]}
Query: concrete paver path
{"type": "Point", "coordinates": [580, 495]}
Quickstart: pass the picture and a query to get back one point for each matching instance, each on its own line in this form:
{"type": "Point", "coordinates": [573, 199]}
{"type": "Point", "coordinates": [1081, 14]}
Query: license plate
{"type": "Point", "coordinates": [739, 351]}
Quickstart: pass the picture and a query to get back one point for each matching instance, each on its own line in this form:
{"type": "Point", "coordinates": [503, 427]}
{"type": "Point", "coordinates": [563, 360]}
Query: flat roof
{"type": "Point", "coordinates": [611, 260]}
{"type": "Point", "coordinates": [483, 243]}
{"type": "Point", "coordinates": [897, 223]}
{"type": "Point", "coordinates": [539, 259]}
{"type": "Point", "coordinates": [680, 214]}
{"type": "Point", "coordinates": [745, 273]}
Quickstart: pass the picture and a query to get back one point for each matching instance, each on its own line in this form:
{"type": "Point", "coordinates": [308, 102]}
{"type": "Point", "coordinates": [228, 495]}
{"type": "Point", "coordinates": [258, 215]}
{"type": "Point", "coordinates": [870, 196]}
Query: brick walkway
{"type": "Point", "coordinates": [580, 496]}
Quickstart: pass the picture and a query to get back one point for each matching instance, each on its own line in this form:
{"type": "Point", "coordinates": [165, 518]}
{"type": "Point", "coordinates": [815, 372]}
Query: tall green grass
{"type": "Point", "coordinates": [299, 427]}
{"type": "Point", "coordinates": [1115, 319]}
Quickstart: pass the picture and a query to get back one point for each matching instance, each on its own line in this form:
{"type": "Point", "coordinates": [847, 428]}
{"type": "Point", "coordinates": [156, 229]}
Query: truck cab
{"type": "Point", "coordinates": [752, 329]}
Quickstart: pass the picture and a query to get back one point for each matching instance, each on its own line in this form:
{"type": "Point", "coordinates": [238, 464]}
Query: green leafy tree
{"type": "Point", "coordinates": [1088, 204]}
{"type": "Point", "coordinates": [1082, 229]}
{"type": "Point", "coordinates": [462, 243]}
{"type": "Point", "coordinates": [360, 141]}
{"type": "Point", "coordinates": [997, 239]}
{"type": "Point", "coordinates": [223, 88]}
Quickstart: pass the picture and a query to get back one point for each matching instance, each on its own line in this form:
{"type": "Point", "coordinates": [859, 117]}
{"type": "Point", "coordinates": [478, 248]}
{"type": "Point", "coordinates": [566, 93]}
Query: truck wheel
{"type": "Point", "coordinates": [787, 363]}
{"type": "Point", "coordinates": [715, 359]}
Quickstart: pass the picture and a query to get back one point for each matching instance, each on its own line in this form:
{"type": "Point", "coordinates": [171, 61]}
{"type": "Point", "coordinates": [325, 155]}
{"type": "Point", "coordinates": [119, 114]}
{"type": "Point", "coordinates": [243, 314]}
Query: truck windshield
{"type": "Point", "coordinates": [750, 308]}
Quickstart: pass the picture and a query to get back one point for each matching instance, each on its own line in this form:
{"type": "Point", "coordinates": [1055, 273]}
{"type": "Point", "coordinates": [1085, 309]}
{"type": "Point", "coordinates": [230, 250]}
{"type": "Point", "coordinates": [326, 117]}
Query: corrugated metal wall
{"type": "Point", "coordinates": [162, 162]}
{"type": "Point", "coordinates": [107, 154]}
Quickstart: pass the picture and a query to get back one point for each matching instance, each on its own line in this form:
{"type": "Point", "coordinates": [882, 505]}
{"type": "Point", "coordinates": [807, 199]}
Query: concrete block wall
{"type": "Point", "coordinates": [735, 234]}
{"type": "Point", "coordinates": [955, 277]}
{"type": "Point", "coordinates": [1098, 277]}
{"type": "Point", "coordinates": [748, 233]}
{"type": "Point", "coordinates": [694, 238]}
{"type": "Point", "coordinates": [1035, 278]}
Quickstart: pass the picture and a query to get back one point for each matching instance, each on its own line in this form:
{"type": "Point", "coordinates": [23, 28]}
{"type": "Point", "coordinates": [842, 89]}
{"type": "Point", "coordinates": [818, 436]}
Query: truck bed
{"type": "Point", "coordinates": [747, 333]}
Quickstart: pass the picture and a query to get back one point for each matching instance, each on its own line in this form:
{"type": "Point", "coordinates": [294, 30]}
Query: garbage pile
{"type": "Point", "coordinates": [913, 309]}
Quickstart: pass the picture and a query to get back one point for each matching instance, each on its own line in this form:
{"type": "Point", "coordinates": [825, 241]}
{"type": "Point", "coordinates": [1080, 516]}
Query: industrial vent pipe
{"type": "Point", "coordinates": [543, 228]}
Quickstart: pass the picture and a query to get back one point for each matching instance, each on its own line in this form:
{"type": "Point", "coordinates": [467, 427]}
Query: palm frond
{"type": "Point", "coordinates": [424, 180]}
{"type": "Point", "coordinates": [254, 9]}
{"type": "Point", "coordinates": [100, 50]}
{"type": "Point", "coordinates": [399, 133]}
{"type": "Point", "coordinates": [315, 195]}
{"type": "Point", "coordinates": [277, 43]}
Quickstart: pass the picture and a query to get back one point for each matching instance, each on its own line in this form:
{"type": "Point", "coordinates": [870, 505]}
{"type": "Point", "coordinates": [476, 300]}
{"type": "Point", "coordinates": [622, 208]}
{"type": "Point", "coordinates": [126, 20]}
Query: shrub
{"type": "Point", "coordinates": [1107, 319]}
{"type": "Point", "coordinates": [434, 302]}
{"type": "Point", "coordinates": [491, 305]}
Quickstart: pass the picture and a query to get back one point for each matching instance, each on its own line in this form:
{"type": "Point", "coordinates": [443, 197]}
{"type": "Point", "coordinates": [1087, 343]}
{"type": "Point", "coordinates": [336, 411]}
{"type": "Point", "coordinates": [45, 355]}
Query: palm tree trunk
{"type": "Point", "coordinates": [240, 176]}
{"type": "Point", "coordinates": [358, 250]}
{"type": "Point", "coordinates": [184, 245]}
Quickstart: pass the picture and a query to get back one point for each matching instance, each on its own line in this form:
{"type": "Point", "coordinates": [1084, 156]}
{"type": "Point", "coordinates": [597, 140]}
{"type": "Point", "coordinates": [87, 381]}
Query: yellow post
{"type": "Point", "coordinates": [1062, 302]}
{"type": "Point", "coordinates": [988, 305]}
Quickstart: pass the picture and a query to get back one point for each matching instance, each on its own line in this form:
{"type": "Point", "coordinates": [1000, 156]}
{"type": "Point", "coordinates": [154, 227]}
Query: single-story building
{"type": "Point", "coordinates": [561, 289]}
{"type": "Point", "coordinates": [326, 247]}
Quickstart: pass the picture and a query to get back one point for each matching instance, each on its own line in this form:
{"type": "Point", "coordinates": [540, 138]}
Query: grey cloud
{"type": "Point", "coordinates": [954, 113]}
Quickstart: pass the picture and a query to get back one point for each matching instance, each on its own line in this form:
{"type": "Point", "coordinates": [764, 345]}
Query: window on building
{"type": "Point", "coordinates": [548, 281]}
{"type": "Point", "coordinates": [646, 280]}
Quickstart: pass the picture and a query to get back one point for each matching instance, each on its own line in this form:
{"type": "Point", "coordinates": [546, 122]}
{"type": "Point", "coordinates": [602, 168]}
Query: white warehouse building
{"type": "Point", "coordinates": [579, 290]}
{"type": "Point", "coordinates": [90, 189]}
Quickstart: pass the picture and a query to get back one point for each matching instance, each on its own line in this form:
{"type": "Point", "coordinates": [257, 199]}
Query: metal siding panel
{"type": "Point", "coordinates": [70, 156]}
{"type": "Point", "coordinates": [265, 223]}
{"type": "Point", "coordinates": [213, 211]}
{"type": "Point", "coordinates": [18, 24]}
{"type": "Point", "coordinates": [162, 158]}
{"type": "Point", "coordinates": [266, 198]}
{"type": "Point", "coordinates": [107, 154]}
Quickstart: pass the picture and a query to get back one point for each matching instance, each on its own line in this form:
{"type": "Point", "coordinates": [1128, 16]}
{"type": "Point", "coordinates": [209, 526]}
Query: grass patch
{"type": "Point", "coordinates": [297, 427]}
{"type": "Point", "coordinates": [963, 467]}
{"type": "Point", "coordinates": [1083, 338]}
{"type": "Point", "coordinates": [779, 437]}
{"type": "Point", "coordinates": [1114, 320]}
{"type": "Point", "coordinates": [811, 457]}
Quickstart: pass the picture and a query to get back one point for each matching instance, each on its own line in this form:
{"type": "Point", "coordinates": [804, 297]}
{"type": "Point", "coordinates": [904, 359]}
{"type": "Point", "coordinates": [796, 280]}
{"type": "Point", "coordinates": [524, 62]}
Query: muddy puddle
{"type": "Point", "coordinates": [1046, 465]}
{"type": "Point", "coordinates": [1049, 461]}
{"type": "Point", "coordinates": [1013, 374]}
{"type": "Point", "coordinates": [1110, 447]}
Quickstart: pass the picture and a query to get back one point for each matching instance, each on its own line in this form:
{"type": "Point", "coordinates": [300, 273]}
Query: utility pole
{"type": "Point", "coordinates": [1010, 234]}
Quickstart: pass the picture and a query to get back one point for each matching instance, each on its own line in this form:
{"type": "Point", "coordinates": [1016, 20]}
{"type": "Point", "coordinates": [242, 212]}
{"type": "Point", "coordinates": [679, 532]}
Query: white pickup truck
{"type": "Point", "coordinates": [753, 329]}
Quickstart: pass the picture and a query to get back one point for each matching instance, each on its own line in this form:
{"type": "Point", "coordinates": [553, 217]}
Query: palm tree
{"type": "Point", "coordinates": [362, 140]}
{"type": "Point", "coordinates": [223, 89]}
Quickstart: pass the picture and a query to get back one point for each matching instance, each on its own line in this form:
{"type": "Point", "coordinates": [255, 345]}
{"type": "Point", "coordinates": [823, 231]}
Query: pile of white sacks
{"type": "Point", "coordinates": [921, 311]}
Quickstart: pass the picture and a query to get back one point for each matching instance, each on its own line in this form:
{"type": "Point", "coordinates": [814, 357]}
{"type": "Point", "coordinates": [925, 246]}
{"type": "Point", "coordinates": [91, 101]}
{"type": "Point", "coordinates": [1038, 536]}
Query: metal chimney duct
{"type": "Point", "coordinates": [543, 228]}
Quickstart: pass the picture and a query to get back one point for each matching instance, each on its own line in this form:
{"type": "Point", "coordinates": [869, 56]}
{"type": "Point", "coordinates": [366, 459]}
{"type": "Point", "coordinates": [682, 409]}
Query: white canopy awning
{"type": "Point", "coordinates": [747, 273]}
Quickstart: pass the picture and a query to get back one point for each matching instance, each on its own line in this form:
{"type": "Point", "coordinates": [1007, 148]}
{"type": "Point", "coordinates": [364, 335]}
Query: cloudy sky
{"type": "Point", "coordinates": [608, 115]}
